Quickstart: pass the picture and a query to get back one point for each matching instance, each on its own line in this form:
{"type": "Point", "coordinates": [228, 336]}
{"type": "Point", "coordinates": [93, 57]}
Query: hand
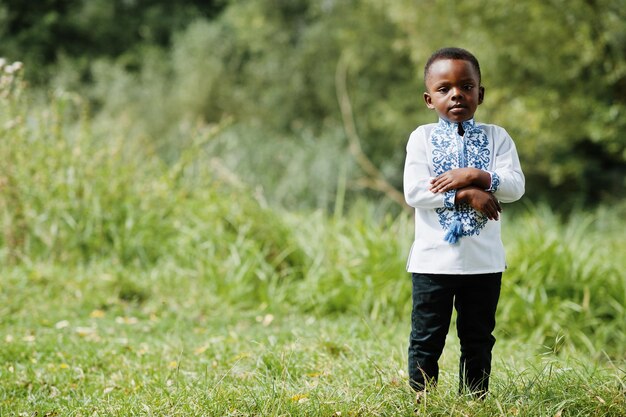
{"type": "Point", "coordinates": [453, 180]}
{"type": "Point", "coordinates": [481, 200]}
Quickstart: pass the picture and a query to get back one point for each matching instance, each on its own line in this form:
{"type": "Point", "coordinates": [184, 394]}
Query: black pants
{"type": "Point", "coordinates": [475, 298]}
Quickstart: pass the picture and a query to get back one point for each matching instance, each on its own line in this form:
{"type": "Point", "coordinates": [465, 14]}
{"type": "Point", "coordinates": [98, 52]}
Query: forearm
{"type": "Point", "coordinates": [458, 178]}
{"type": "Point", "coordinates": [463, 195]}
{"type": "Point", "coordinates": [511, 186]}
{"type": "Point", "coordinates": [479, 199]}
{"type": "Point", "coordinates": [509, 181]}
{"type": "Point", "coordinates": [480, 178]}
{"type": "Point", "coordinates": [417, 194]}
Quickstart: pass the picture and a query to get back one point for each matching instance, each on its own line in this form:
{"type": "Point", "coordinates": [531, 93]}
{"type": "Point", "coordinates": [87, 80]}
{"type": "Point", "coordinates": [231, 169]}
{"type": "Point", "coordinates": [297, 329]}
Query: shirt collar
{"type": "Point", "coordinates": [449, 126]}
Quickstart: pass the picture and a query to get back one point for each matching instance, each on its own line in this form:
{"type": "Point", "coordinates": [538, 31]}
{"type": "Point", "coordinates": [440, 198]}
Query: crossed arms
{"type": "Point", "coordinates": [473, 186]}
{"type": "Point", "coordinates": [470, 185]}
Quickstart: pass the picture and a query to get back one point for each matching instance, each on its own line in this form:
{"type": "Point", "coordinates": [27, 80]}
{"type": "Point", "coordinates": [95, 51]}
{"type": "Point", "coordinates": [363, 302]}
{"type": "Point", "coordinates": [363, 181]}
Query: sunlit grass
{"type": "Point", "coordinates": [78, 348]}
{"type": "Point", "coordinates": [132, 286]}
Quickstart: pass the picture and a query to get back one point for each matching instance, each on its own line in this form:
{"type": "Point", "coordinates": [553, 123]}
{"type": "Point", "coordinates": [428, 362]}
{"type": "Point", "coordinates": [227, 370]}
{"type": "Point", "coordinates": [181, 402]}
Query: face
{"type": "Point", "coordinates": [453, 89]}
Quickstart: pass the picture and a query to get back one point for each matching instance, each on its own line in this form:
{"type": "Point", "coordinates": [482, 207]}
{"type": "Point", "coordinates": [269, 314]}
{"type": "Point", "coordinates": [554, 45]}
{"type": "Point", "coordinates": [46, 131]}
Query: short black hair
{"type": "Point", "coordinates": [452, 53]}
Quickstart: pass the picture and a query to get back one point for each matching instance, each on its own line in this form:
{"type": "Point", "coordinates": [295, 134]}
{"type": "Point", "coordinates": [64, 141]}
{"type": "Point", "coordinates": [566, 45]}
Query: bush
{"type": "Point", "coordinates": [78, 191]}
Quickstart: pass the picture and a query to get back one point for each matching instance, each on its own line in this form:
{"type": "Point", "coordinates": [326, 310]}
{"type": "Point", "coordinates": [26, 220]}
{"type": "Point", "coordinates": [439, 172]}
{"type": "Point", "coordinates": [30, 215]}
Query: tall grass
{"type": "Point", "coordinates": [76, 193]}
{"type": "Point", "coordinates": [134, 285]}
{"type": "Point", "coordinates": [566, 282]}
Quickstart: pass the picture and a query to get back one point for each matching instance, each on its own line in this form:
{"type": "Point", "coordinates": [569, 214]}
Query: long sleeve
{"type": "Point", "coordinates": [433, 149]}
{"type": "Point", "coordinates": [417, 175]}
{"type": "Point", "coordinates": [508, 182]}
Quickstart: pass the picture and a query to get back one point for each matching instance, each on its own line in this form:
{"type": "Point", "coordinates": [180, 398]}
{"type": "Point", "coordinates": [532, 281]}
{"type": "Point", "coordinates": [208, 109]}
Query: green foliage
{"type": "Point", "coordinates": [77, 192]}
{"type": "Point", "coordinates": [555, 76]}
{"type": "Point", "coordinates": [40, 33]}
{"type": "Point", "coordinates": [134, 286]}
{"type": "Point", "coordinates": [61, 199]}
{"type": "Point", "coordinates": [565, 282]}
{"type": "Point", "coordinates": [180, 353]}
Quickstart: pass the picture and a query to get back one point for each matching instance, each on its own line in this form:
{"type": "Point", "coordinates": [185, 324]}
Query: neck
{"type": "Point", "coordinates": [448, 125]}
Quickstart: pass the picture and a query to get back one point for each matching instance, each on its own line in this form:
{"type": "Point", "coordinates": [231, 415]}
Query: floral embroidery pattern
{"type": "Point", "coordinates": [452, 151]}
{"type": "Point", "coordinates": [495, 182]}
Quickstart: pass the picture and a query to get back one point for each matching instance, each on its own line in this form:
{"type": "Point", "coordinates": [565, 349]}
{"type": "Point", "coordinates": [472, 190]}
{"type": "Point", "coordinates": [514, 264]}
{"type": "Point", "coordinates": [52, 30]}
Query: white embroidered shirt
{"type": "Point", "coordinates": [436, 148]}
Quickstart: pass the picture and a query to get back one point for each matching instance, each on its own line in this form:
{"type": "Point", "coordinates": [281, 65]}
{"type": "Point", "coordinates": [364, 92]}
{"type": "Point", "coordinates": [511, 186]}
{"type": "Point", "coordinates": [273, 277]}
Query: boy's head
{"type": "Point", "coordinates": [452, 78]}
{"type": "Point", "coordinates": [452, 53]}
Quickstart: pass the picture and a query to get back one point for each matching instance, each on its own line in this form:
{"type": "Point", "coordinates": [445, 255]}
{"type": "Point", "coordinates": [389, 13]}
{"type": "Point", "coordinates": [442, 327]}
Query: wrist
{"type": "Point", "coordinates": [466, 194]}
{"type": "Point", "coordinates": [481, 179]}
{"type": "Point", "coordinates": [474, 176]}
{"type": "Point", "coordinates": [463, 194]}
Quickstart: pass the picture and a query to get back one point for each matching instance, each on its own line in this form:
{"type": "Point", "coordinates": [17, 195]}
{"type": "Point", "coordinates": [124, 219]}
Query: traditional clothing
{"type": "Point", "coordinates": [455, 238]}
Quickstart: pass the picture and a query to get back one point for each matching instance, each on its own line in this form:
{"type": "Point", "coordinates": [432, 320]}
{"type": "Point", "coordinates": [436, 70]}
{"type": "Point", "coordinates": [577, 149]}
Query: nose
{"type": "Point", "coordinates": [456, 93]}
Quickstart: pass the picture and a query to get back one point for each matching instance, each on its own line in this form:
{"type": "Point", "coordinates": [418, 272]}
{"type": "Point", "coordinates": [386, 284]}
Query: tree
{"type": "Point", "coordinates": [554, 71]}
{"type": "Point", "coordinates": [39, 32]}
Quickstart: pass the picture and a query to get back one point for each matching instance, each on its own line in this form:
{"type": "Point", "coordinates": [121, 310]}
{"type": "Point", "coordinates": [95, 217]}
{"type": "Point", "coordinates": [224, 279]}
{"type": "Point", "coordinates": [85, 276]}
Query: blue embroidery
{"type": "Point", "coordinates": [495, 182]}
{"type": "Point", "coordinates": [448, 199]}
{"type": "Point", "coordinates": [452, 151]}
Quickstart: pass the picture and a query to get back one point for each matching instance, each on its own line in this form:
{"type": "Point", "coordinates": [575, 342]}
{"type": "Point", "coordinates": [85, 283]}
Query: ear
{"type": "Point", "coordinates": [481, 94]}
{"type": "Point", "coordinates": [429, 101]}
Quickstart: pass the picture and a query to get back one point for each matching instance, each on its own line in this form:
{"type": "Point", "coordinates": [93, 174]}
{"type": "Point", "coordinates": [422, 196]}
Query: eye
{"type": "Point", "coordinates": [468, 87]}
{"type": "Point", "coordinates": [443, 90]}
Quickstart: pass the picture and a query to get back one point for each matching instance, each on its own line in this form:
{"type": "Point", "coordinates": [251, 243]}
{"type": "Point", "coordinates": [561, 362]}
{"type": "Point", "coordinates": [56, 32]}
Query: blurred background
{"type": "Point", "coordinates": [202, 160]}
{"type": "Point", "coordinates": [280, 89]}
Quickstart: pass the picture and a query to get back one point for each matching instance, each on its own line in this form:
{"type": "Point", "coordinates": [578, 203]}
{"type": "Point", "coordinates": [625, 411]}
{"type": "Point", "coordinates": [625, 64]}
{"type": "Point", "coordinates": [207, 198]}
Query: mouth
{"type": "Point", "coordinates": [457, 108]}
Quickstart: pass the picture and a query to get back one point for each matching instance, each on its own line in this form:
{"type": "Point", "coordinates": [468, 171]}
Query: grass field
{"type": "Point", "coordinates": [132, 286]}
{"type": "Point", "coordinates": [76, 343]}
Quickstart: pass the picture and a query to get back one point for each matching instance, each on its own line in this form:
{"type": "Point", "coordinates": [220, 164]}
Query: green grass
{"type": "Point", "coordinates": [132, 286]}
{"type": "Point", "coordinates": [75, 346]}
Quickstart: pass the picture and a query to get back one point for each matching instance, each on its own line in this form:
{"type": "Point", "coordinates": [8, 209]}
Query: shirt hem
{"type": "Point", "coordinates": [456, 271]}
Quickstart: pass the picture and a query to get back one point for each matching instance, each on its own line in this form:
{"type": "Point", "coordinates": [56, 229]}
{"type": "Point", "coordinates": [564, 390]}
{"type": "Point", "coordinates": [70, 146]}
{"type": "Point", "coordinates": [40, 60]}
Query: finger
{"type": "Point", "coordinates": [436, 181]}
{"type": "Point", "coordinates": [496, 203]}
{"type": "Point", "coordinates": [493, 211]}
{"type": "Point", "coordinates": [442, 182]}
{"type": "Point", "coordinates": [438, 186]}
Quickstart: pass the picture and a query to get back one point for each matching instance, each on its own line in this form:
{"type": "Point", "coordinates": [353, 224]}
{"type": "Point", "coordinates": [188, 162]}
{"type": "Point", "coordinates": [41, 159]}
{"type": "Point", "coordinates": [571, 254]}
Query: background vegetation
{"type": "Point", "coordinates": [187, 228]}
{"type": "Point", "coordinates": [554, 72]}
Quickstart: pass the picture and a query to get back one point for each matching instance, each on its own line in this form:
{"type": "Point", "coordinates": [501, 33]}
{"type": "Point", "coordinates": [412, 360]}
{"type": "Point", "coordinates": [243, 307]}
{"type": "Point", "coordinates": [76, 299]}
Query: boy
{"type": "Point", "coordinates": [456, 174]}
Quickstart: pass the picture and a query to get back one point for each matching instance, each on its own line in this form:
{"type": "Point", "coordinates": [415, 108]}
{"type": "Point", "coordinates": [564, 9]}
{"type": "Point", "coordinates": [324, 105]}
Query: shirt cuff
{"type": "Point", "coordinates": [449, 198]}
{"type": "Point", "coordinates": [495, 182]}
